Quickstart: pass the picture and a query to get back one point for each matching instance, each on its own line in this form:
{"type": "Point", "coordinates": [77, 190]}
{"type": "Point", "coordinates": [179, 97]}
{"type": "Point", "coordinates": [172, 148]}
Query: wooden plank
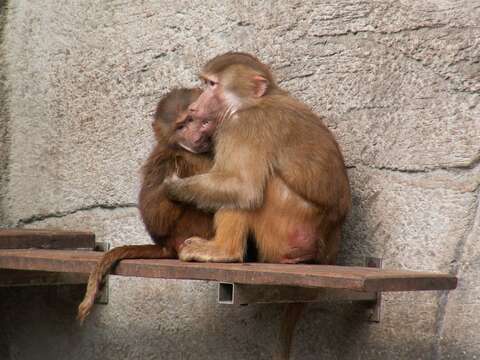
{"type": "Point", "coordinates": [9, 278]}
{"type": "Point", "coordinates": [339, 277]}
{"type": "Point", "coordinates": [46, 239]}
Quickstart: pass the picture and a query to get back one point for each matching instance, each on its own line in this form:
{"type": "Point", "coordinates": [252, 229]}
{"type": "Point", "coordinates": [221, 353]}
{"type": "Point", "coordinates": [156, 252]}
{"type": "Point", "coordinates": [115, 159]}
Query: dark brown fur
{"type": "Point", "coordinates": [168, 223]}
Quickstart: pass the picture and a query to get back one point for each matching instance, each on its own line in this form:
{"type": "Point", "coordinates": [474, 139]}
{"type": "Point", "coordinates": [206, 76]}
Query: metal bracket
{"type": "Point", "coordinates": [104, 292]}
{"type": "Point", "coordinates": [376, 305]}
{"type": "Point", "coordinates": [243, 294]}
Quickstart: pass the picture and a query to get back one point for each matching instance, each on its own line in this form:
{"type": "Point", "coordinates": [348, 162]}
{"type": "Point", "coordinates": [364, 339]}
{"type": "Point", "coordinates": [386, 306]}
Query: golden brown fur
{"type": "Point", "coordinates": [278, 173]}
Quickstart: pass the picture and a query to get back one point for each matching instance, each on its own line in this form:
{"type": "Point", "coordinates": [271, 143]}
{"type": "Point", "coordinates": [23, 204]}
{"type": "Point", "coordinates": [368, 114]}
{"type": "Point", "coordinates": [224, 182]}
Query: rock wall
{"type": "Point", "coordinates": [4, 140]}
{"type": "Point", "coordinates": [399, 85]}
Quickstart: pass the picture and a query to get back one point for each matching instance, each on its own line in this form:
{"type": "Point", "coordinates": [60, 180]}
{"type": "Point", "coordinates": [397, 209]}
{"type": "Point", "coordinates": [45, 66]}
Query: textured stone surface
{"type": "Point", "coordinates": [459, 332]}
{"type": "Point", "coordinates": [4, 139]}
{"type": "Point", "coordinates": [413, 221]}
{"type": "Point", "coordinates": [397, 81]}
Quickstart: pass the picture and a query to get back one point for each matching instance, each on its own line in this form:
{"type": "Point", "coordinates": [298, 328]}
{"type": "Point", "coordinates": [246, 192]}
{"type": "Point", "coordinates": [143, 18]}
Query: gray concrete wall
{"type": "Point", "coordinates": [4, 139]}
{"type": "Point", "coordinates": [398, 81]}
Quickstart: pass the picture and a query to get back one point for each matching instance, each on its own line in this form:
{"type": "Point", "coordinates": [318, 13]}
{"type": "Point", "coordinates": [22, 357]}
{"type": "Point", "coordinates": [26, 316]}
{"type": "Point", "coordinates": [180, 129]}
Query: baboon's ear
{"type": "Point", "coordinates": [261, 85]}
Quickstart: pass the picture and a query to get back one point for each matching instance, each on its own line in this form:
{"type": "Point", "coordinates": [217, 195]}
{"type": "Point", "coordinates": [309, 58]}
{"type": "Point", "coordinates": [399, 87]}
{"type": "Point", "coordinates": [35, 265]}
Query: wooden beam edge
{"type": "Point", "coordinates": [129, 268]}
{"type": "Point", "coordinates": [427, 283]}
{"type": "Point", "coordinates": [51, 239]}
{"type": "Point", "coordinates": [248, 275]}
{"type": "Point", "coordinates": [168, 271]}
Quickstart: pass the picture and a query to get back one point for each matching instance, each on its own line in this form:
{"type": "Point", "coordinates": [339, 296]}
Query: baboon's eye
{"type": "Point", "coordinates": [210, 83]}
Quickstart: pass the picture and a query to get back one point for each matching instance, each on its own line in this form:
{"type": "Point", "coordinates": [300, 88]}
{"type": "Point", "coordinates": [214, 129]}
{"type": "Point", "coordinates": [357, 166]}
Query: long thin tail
{"type": "Point", "coordinates": [108, 261]}
{"type": "Point", "coordinates": [291, 315]}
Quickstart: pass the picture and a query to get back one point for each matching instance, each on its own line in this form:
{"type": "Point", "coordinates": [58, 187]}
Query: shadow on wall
{"type": "Point", "coordinates": [356, 244]}
{"type": "Point", "coordinates": [53, 318]}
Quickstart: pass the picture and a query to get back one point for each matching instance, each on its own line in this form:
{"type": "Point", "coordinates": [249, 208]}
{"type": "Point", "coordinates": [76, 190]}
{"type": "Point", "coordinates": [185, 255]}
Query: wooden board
{"type": "Point", "coordinates": [9, 278]}
{"type": "Point", "coordinates": [339, 277]}
{"type": "Point", "coordinates": [46, 239]}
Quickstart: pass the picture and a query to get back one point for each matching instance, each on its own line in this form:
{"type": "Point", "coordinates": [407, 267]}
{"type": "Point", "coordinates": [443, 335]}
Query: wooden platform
{"type": "Point", "coordinates": [46, 239]}
{"type": "Point", "coordinates": [319, 276]}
